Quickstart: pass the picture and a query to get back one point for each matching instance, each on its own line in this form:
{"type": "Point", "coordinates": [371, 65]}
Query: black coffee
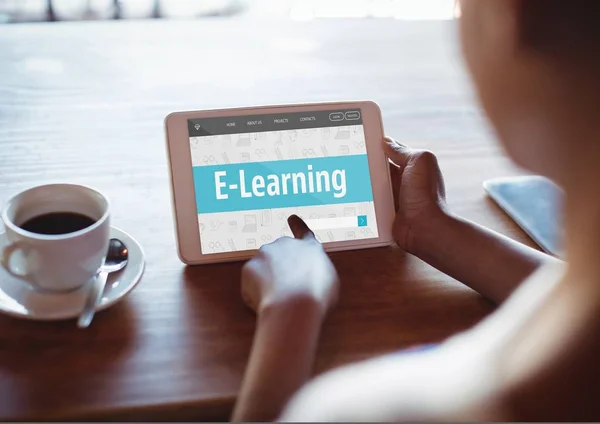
{"type": "Point", "coordinates": [57, 223]}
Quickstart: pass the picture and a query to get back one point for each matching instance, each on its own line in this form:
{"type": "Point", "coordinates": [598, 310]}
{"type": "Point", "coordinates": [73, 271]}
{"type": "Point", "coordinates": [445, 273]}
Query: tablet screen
{"type": "Point", "coordinates": [252, 172]}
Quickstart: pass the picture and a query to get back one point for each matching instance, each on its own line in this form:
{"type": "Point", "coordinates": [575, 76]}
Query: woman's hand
{"type": "Point", "coordinates": [419, 193]}
{"type": "Point", "coordinates": [488, 262]}
{"type": "Point", "coordinates": [290, 284]}
{"type": "Point", "coordinates": [290, 269]}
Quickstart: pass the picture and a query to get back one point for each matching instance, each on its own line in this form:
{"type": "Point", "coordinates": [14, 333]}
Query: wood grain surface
{"type": "Point", "coordinates": [85, 103]}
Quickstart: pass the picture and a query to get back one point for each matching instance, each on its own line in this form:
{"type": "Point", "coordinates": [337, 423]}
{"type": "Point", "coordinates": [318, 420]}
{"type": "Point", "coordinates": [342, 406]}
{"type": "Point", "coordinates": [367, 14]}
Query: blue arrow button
{"type": "Point", "coordinates": [362, 221]}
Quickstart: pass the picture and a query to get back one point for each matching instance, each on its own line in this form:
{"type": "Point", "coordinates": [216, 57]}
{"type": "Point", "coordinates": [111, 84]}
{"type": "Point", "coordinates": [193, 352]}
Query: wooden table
{"type": "Point", "coordinates": [84, 103]}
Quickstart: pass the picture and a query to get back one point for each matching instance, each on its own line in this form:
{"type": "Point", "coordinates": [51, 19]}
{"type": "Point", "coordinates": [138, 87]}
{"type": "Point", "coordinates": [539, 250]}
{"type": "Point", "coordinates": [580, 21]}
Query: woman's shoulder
{"type": "Point", "coordinates": [460, 379]}
{"type": "Point", "coordinates": [551, 366]}
{"type": "Point", "coordinates": [422, 385]}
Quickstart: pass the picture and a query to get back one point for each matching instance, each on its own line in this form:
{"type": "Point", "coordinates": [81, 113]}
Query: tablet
{"type": "Point", "coordinates": [238, 174]}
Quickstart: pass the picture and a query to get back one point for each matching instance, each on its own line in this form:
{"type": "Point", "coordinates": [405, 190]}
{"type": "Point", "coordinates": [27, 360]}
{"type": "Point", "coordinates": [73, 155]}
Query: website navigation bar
{"type": "Point", "coordinates": [273, 122]}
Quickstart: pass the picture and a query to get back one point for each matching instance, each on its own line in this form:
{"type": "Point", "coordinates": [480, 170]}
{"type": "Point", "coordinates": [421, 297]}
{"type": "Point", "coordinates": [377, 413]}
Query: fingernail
{"type": "Point", "coordinates": [399, 144]}
{"type": "Point", "coordinates": [393, 141]}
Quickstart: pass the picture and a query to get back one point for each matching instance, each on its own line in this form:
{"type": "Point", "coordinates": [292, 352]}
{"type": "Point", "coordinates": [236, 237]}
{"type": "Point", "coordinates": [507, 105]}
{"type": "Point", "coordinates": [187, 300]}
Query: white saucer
{"type": "Point", "coordinates": [19, 300]}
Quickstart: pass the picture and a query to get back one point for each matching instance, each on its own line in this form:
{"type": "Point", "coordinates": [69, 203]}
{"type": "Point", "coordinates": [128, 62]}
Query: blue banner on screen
{"type": "Point", "coordinates": [282, 184]}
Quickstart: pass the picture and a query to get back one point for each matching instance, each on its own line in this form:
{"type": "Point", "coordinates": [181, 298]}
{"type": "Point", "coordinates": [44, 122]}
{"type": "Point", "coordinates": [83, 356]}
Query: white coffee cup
{"type": "Point", "coordinates": [56, 263]}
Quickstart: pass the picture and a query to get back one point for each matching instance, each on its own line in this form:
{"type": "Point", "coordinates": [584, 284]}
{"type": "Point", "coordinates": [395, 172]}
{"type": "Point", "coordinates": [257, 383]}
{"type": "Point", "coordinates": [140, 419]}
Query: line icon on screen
{"type": "Point", "coordinates": [279, 138]}
{"type": "Point", "coordinates": [226, 140]}
{"type": "Point", "coordinates": [243, 140]}
{"type": "Point", "coordinates": [261, 154]}
{"type": "Point", "coordinates": [266, 218]}
{"type": "Point", "coordinates": [349, 211]}
{"type": "Point", "coordinates": [250, 222]}
{"type": "Point", "coordinates": [278, 153]}
{"type": "Point", "coordinates": [215, 246]}
{"type": "Point", "coordinates": [343, 133]}
{"type": "Point", "coordinates": [309, 153]}
{"type": "Point", "coordinates": [293, 135]}
{"type": "Point", "coordinates": [232, 226]}
{"type": "Point", "coordinates": [215, 224]}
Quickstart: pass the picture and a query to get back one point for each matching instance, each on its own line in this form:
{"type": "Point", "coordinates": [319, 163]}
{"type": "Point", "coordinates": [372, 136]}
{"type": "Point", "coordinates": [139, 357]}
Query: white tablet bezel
{"type": "Point", "coordinates": [182, 185]}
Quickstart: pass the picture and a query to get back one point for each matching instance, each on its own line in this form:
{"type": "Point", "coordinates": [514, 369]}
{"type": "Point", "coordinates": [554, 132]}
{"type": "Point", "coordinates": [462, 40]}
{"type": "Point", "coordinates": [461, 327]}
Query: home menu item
{"type": "Point", "coordinates": [250, 173]}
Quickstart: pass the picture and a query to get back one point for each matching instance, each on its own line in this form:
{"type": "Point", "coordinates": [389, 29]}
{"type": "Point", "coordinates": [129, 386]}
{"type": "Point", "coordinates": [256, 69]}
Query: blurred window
{"type": "Point", "coordinates": [14, 11]}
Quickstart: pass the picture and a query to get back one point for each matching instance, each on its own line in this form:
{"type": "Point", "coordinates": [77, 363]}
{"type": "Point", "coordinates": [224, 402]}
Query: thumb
{"type": "Point", "coordinates": [396, 177]}
{"type": "Point", "coordinates": [299, 228]}
{"type": "Point", "coordinates": [396, 152]}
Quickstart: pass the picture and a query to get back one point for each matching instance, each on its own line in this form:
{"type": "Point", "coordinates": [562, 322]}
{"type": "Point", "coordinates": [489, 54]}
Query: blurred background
{"type": "Point", "coordinates": [16, 11]}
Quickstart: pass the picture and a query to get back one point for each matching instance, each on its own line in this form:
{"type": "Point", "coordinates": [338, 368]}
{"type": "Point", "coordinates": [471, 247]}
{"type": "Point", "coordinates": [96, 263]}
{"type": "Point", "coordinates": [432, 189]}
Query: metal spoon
{"type": "Point", "coordinates": [116, 259]}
